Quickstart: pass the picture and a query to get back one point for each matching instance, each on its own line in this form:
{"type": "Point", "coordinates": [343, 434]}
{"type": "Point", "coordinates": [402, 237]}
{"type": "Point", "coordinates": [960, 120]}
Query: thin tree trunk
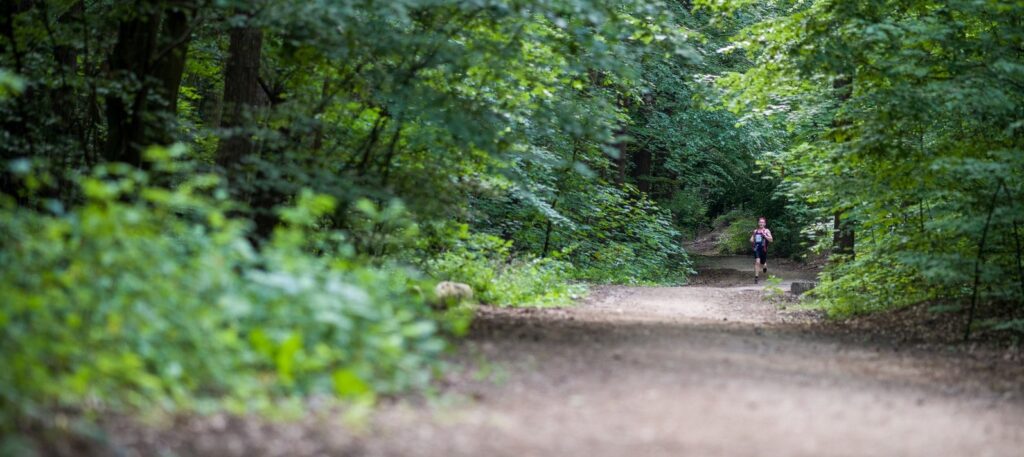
{"type": "Point", "coordinates": [547, 232]}
{"type": "Point", "coordinates": [978, 260]}
{"type": "Point", "coordinates": [621, 144]}
{"type": "Point", "coordinates": [318, 131]}
{"type": "Point", "coordinates": [843, 239]}
{"type": "Point", "coordinates": [66, 60]}
{"type": "Point", "coordinates": [366, 151]}
{"type": "Point", "coordinates": [1017, 244]}
{"type": "Point", "coordinates": [386, 167]}
{"type": "Point", "coordinates": [642, 160]}
{"type": "Point", "coordinates": [1020, 263]}
{"type": "Point", "coordinates": [554, 204]}
{"type": "Point", "coordinates": [620, 175]}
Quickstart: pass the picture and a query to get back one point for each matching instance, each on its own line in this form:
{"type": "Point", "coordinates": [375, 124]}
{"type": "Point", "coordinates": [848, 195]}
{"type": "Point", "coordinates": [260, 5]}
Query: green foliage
{"type": "Point", "coordinates": [772, 291]}
{"type": "Point", "coordinates": [146, 294]}
{"type": "Point", "coordinates": [692, 157]}
{"type": "Point", "coordinates": [739, 224]}
{"type": "Point", "coordinates": [735, 238]}
{"type": "Point", "coordinates": [501, 144]}
{"type": "Point", "coordinates": [10, 84]}
{"type": "Point", "coordinates": [633, 242]}
{"type": "Point", "coordinates": [907, 124]}
{"type": "Point", "coordinates": [485, 263]}
{"type": "Point", "coordinates": [871, 283]}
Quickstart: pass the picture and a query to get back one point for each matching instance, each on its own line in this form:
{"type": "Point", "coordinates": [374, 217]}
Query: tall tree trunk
{"type": "Point", "coordinates": [843, 239]}
{"type": "Point", "coordinates": [642, 161]}
{"type": "Point", "coordinates": [175, 38]}
{"type": "Point", "coordinates": [242, 95]}
{"type": "Point", "coordinates": [66, 59]}
{"type": "Point", "coordinates": [318, 131]}
{"type": "Point", "coordinates": [16, 126]}
{"type": "Point", "coordinates": [559, 187]}
{"type": "Point", "coordinates": [643, 157]}
{"type": "Point", "coordinates": [149, 57]}
{"type": "Point", "coordinates": [621, 144]}
{"type": "Point", "coordinates": [241, 92]}
{"type": "Point", "coordinates": [129, 63]}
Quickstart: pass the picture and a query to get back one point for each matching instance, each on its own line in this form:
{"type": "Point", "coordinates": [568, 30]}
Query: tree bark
{"type": "Point", "coordinates": [642, 164]}
{"type": "Point", "coordinates": [149, 56]}
{"type": "Point", "coordinates": [170, 66]}
{"type": "Point", "coordinates": [16, 126]}
{"type": "Point", "coordinates": [554, 203]}
{"type": "Point", "coordinates": [843, 238]}
{"type": "Point", "coordinates": [241, 92]}
{"type": "Point", "coordinates": [129, 62]}
{"type": "Point", "coordinates": [66, 60]}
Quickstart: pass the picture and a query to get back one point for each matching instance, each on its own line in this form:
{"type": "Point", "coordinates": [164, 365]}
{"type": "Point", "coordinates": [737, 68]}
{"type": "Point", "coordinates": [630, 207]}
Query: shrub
{"type": "Point", "coordinates": [150, 295]}
{"type": "Point", "coordinates": [869, 284]}
{"type": "Point", "coordinates": [735, 238]}
{"type": "Point", "coordinates": [627, 239]}
{"type": "Point", "coordinates": [485, 263]}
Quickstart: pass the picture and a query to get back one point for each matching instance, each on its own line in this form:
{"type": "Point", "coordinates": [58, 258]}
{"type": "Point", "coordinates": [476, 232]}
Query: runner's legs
{"type": "Point", "coordinates": [757, 263]}
{"type": "Point", "coordinates": [760, 262]}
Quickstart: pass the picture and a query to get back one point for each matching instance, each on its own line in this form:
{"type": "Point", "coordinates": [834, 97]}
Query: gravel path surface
{"type": "Point", "coordinates": [706, 370]}
{"type": "Point", "coordinates": [701, 371]}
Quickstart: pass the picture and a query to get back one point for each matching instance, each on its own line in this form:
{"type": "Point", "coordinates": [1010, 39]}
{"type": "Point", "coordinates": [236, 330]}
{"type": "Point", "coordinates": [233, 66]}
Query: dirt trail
{"type": "Point", "coordinates": [702, 371]}
{"type": "Point", "coordinates": [709, 370]}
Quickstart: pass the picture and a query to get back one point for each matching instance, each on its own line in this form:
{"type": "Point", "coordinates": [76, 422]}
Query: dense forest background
{"type": "Point", "coordinates": [278, 185]}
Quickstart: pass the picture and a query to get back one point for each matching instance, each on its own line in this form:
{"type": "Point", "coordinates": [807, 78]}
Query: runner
{"type": "Point", "coordinates": [759, 240]}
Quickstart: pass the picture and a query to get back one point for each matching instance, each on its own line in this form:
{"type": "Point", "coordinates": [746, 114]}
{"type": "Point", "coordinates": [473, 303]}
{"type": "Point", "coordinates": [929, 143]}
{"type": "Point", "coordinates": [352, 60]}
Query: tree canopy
{"type": "Point", "coordinates": [279, 185]}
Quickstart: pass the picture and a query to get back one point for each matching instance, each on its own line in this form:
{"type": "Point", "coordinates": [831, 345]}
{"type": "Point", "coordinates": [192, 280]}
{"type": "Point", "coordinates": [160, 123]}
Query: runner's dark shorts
{"type": "Point", "coordinates": [761, 253]}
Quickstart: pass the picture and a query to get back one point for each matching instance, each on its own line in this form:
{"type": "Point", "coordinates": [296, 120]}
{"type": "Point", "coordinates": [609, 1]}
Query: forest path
{"type": "Point", "coordinates": [710, 369]}
{"type": "Point", "coordinates": [701, 371]}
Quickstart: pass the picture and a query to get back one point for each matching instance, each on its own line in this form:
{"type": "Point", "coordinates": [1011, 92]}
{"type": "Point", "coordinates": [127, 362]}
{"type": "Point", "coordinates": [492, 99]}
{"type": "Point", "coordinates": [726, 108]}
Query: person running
{"type": "Point", "coordinates": [759, 239]}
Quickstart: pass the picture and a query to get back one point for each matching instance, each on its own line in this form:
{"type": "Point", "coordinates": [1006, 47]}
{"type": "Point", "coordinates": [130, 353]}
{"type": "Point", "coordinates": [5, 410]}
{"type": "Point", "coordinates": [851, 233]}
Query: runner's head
{"type": "Point", "coordinates": [761, 222]}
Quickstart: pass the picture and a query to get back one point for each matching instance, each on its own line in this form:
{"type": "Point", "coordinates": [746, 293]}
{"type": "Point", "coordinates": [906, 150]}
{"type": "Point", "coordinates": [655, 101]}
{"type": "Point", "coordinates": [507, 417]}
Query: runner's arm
{"type": "Point", "coordinates": [768, 234]}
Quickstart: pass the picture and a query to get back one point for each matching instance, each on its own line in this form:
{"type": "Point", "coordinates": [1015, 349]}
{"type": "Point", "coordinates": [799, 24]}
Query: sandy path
{"type": "Point", "coordinates": [701, 371]}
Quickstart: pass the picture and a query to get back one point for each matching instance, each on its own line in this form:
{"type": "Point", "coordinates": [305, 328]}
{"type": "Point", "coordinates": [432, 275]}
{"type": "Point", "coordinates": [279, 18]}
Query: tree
{"type": "Point", "coordinates": [242, 93]}
{"type": "Point", "coordinates": [924, 131]}
{"type": "Point", "coordinates": [148, 60]}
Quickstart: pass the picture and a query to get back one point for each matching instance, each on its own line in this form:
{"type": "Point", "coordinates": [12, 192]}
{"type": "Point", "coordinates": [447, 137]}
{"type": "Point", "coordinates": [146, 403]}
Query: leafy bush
{"type": "Point", "coordinates": [485, 262]}
{"type": "Point", "coordinates": [930, 189]}
{"type": "Point", "coordinates": [738, 225]}
{"type": "Point", "coordinates": [735, 238]}
{"type": "Point", "coordinates": [867, 284]}
{"type": "Point", "coordinates": [629, 240]}
{"type": "Point", "coordinates": [153, 295]}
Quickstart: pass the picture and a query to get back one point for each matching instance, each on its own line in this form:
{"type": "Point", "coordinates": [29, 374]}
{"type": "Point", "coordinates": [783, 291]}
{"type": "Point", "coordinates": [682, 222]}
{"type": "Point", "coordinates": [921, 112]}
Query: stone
{"type": "Point", "coordinates": [451, 293]}
{"type": "Point", "coordinates": [799, 287]}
